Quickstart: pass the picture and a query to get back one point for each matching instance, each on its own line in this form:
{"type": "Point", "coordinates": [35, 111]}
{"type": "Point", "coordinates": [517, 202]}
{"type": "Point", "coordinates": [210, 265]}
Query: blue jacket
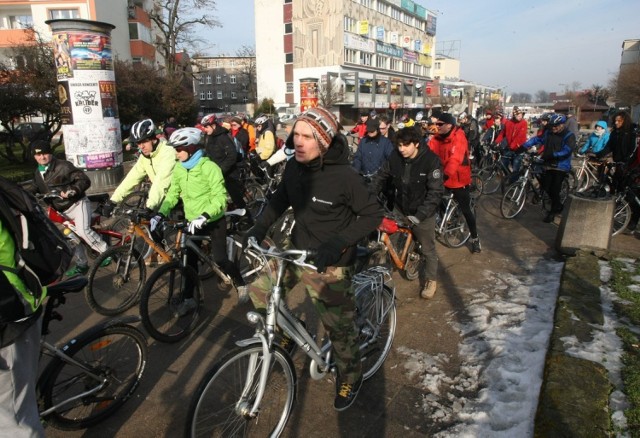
{"type": "Point", "coordinates": [557, 149]}
{"type": "Point", "coordinates": [594, 143]}
{"type": "Point", "coordinates": [371, 153]}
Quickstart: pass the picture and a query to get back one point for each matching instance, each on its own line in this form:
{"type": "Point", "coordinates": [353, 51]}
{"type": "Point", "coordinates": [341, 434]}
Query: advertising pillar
{"type": "Point", "coordinates": [308, 93]}
{"type": "Point", "coordinates": [87, 96]}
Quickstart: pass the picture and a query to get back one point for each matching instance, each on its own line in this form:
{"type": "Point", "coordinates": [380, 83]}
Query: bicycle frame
{"type": "Point", "coordinates": [399, 260]}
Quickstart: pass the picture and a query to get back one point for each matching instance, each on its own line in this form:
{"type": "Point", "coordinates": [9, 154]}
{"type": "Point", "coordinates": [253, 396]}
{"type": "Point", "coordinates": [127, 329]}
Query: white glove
{"type": "Point", "coordinates": [197, 223]}
{"type": "Point", "coordinates": [533, 149]}
{"type": "Point", "coordinates": [414, 220]}
{"type": "Point", "coordinates": [154, 222]}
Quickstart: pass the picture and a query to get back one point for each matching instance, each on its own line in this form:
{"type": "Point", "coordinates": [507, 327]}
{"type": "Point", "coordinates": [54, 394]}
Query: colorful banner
{"type": "Point", "coordinates": [308, 93]}
{"type": "Point", "coordinates": [363, 27]}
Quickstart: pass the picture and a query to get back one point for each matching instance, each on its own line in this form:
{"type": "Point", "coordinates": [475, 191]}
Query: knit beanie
{"type": "Point", "coordinates": [323, 124]}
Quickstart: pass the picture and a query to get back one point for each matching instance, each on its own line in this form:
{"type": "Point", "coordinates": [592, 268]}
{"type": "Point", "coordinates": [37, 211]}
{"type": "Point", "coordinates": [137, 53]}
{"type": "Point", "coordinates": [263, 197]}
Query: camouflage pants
{"type": "Point", "coordinates": [332, 296]}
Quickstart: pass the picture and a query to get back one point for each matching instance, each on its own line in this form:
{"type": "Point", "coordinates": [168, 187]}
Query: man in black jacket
{"type": "Point", "coordinates": [220, 149]}
{"type": "Point", "coordinates": [416, 176]}
{"type": "Point", "coordinates": [71, 184]}
{"type": "Point", "coordinates": [333, 210]}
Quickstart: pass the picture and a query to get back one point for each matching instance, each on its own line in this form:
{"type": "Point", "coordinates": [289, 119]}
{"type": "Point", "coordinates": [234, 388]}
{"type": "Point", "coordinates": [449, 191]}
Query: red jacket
{"type": "Point", "coordinates": [454, 154]}
{"type": "Point", "coordinates": [514, 132]}
{"type": "Point", "coordinates": [360, 129]}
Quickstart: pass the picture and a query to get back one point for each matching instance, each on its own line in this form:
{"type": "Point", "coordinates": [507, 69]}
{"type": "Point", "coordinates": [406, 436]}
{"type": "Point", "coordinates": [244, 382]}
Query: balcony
{"type": "Point", "coordinates": [14, 37]}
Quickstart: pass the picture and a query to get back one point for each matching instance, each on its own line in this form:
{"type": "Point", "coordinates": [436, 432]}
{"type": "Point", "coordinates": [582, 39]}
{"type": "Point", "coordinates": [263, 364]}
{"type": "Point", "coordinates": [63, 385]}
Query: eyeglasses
{"type": "Point", "coordinates": [440, 123]}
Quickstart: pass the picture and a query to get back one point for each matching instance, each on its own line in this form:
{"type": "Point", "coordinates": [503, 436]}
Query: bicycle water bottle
{"type": "Point", "coordinates": [69, 234]}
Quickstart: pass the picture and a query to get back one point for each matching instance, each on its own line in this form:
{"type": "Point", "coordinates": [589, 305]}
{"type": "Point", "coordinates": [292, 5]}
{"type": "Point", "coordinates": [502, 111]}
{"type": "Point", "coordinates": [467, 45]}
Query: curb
{"type": "Point", "coordinates": [574, 397]}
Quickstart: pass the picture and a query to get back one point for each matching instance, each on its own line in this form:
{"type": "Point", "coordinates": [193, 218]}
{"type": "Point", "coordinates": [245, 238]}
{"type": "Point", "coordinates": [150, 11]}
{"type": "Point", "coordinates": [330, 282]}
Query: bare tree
{"type": "Point", "coordinates": [328, 92]}
{"type": "Point", "coordinates": [626, 87]}
{"type": "Point", "coordinates": [542, 96]}
{"type": "Point", "coordinates": [247, 69]}
{"type": "Point", "coordinates": [176, 23]}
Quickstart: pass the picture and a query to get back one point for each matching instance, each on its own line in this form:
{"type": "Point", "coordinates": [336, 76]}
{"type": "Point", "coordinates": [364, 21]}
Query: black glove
{"type": "Point", "coordinates": [148, 213]}
{"type": "Point", "coordinates": [107, 208]}
{"type": "Point", "coordinates": [258, 231]}
{"type": "Point", "coordinates": [329, 253]}
{"type": "Point", "coordinates": [266, 168]}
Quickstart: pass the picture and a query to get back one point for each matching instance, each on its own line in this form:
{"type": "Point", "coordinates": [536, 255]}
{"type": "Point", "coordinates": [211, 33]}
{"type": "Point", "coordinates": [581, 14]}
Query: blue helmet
{"type": "Point", "coordinates": [557, 119]}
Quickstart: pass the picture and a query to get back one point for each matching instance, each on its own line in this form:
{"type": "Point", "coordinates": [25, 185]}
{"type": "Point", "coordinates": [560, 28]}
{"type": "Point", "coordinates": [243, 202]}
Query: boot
{"type": "Point", "coordinates": [429, 290]}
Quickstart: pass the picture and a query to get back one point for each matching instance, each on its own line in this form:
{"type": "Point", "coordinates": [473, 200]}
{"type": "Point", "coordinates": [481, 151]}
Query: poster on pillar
{"type": "Point", "coordinates": [308, 93]}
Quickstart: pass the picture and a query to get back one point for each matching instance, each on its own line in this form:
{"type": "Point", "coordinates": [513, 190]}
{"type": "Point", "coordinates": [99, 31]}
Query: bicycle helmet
{"type": "Point", "coordinates": [208, 120]}
{"type": "Point", "coordinates": [142, 130]}
{"type": "Point", "coordinates": [185, 137]}
{"type": "Point", "coordinates": [557, 119]}
{"type": "Point", "coordinates": [261, 120]}
{"type": "Point", "coordinates": [419, 116]}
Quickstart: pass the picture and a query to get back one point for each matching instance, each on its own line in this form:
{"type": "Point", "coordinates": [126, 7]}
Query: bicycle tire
{"type": "Point", "coordinates": [118, 354]}
{"type": "Point", "coordinates": [412, 265]}
{"type": "Point", "coordinates": [161, 294]}
{"type": "Point", "coordinates": [253, 191]}
{"type": "Point", "coordinates": [216, 408]}
{"type": "Point", "coordinates": [513, 200]}
{"type": "Point", "coordinates": [114, 288]}
{"type": "Point", "coordinates": [492, 179]}
{"type": "Point", "coordinates": [375, 316]}
{"type": "Point", "coordinates": [621, 215]}
{"type": "Point", "coordinates": [135, 199]}
{"type": "Point", "coordinates": [477, 185]}
{"type": "Point", "coordinates": [581, 180]}
{"type": "Point", "coordinates": [456, 232]}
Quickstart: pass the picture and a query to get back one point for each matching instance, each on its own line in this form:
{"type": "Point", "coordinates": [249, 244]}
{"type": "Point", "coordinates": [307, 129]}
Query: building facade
{"type": "Point", "coordinates": [131, 40]}
{"type": "Point", "coordinates": [375, 54]}
{"type": "Point", "coordinates": [224, 84]}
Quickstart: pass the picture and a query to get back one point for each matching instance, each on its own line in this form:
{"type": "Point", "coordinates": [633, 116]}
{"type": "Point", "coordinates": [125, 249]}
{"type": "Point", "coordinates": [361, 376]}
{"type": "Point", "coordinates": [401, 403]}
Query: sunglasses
{"type": "Point", "coordinates": [440, 123]}
{"type": "Point", "coordinates": [181, 149]}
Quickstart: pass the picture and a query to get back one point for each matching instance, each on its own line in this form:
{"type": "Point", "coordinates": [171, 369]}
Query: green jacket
{"type": "Point", "coordinates": [7, 258]}
{"type": "Point", "coordinates": [158, 167]}
{"type": "Point", "coordinates": [201, 189]}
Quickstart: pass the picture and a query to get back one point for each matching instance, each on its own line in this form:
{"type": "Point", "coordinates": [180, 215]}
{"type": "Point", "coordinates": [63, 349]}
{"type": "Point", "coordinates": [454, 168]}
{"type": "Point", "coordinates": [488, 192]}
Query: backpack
{"type": "Point", "coordinates": [42, 254]}
{"type": "Point", "coordinates": [239, 149]}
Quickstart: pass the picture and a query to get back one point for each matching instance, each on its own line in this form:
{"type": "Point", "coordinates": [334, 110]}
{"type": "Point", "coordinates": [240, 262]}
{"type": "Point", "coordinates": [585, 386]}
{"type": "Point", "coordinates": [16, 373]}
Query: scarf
{"type": "Point", "coordinates": [193, 160]}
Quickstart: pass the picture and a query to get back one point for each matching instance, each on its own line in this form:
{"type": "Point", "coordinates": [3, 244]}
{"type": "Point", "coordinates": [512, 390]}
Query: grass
{"type": "Point", "coordinates": [629, 310]}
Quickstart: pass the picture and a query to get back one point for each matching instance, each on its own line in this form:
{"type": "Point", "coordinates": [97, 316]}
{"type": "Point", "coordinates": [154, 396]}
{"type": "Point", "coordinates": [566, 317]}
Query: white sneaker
{"type": "Point", "coordinates": [185, 307]}
{"type": "Point", "coordinates": [243, 294]}
{"type": "Point", "coordinates": [429, 290]}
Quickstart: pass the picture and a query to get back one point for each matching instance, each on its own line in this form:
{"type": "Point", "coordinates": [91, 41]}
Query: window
{"type": "Point", "coordinates": [218, 79]}
{"type": "Point", "coordinates": [208, 79]}
{"type": "Point", "coordinates": [417, 69]}
{"type": "Point", "coordinates": [289, 87]}
{"type": "Point", "coordinates": [288, 28]}
{"type": "Point", "coordinates": [365, 58]}
{"type": "Point", "coordinates": [382, 7]}
{"type": "Point", "coordinates": [437, 65]}
{"type": "Point", "coordinates": [366, 3]}
{"type": "Point", "coordinates": [382, 61]}
{"type": "Point", "coordinates": [232, 79]}
{"type": "Point", "coordinates": [219, 95]}
{"type": "Point", "coordinates": [406, 67]}
{"type": "Point", "coordinates": [55, 14]}
{"type": "Point", "coordinates": [288, 58]}
{"type": "Point", "coordinates": [224, 79]}
{"type": "Point", "coordinates": [201, 80]}
{"type": "Point", "coordinates": [395, 64]}
{"type": "Point", "coordinates": [350, 55]}
{"type": "Point", "coordinates": [20, 21]}
{"type": "Point", "coordinates": [350, 24]}
{"type": "Point", "coordinates": [202, 95]}
{"type": "Point", "coordinates": [246, 99]}
{"type": "Point", "coordinates": [232, 62]}
{"type": "Point", "coordinates": [209, 95]}
{"type": "Point", "coordinates": [139, 32]}
{"type": "Point", "coordinates": [233, 95]}
{"type": "Point", "coordinates": [407, 19]}
{"type": "Point", "coordinates": [395, 14]}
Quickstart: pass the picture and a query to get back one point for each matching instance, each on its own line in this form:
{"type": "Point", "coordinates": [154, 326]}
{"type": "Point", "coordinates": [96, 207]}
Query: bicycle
{"type": "Point", "coordinates": [93, 374]}
{"type": "Point", "coordinates": [451, 225]}
{"type": "Point", "coordinates": [495, 173]}
{"type": "Point", "coordinates": [168, 286]}
{"type": "Point", "coordinates": [529, 185]}
{"type": "Point", "coordinates": [252, 390]}
{"type": "Point", "coordinates": [586, 173]}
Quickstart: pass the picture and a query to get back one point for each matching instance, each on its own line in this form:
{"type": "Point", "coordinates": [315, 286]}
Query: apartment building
{"type": "Point", "coordinates": [131, 40]}
{"type": "Point", "coordinates": [224, 83]}
{"type": "Point", "coordinates": [376, 53]}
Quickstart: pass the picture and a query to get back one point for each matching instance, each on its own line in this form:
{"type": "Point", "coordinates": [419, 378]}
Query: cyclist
{"type": "Point", "coordinates": [406, 121]}
{"type": "Point", "coordinates": [492, 132]}
{"type": "Point", "coordinates": [221, 150]}
{"type": "Point", "coordinates": [265, 137]}
{"type": "Point", "coordinates": [515, 134]}
{"type": "Point", "coordinates": [156, 162]}
{"type": "Point", "coordinates": [471, 131]}
{"type": "Point", "coordinates": [198, 181]}
{"type": "Point", "coordinates": [373, 150]}
{"type": "Point", "coordinates": [361, 127]}
{"type": "Point", "coordinates": [71, 183]}
{"type": "Point", "coordinates": [385, 127]}
{"type": "Point", "coordinates": [450, 144]}
{"type": "Point", "coordinates": [596, 141]}
{"type": "Point", "coordinates": [558, 144]}
{"type": "Point", "coordinates": [333, 210]}
{"type": "Point", "coordinates": [415, 173]}
{"type": "Point", "coordinates": [251, 130]}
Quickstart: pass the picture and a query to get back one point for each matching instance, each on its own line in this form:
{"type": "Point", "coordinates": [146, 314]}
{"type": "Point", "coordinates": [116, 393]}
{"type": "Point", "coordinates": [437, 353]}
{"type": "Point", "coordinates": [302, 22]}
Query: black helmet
{"type": "Point", "coordinates": [142, 130]}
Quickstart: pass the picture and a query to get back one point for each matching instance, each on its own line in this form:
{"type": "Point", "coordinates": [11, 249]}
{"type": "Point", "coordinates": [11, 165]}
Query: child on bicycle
{"type": "Point", "coordinates": [198, 181]}
{"type": "Point", "coordinates": [333, 210]}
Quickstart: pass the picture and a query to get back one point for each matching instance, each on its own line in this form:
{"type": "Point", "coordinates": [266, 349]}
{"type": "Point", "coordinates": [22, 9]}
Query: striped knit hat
{"type": "Point", "coordinates": [323, 124]}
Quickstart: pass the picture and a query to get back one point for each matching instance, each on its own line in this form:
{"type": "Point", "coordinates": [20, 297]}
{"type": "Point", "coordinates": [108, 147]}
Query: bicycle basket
{"type": "Point", "coordinates": [388, 226]}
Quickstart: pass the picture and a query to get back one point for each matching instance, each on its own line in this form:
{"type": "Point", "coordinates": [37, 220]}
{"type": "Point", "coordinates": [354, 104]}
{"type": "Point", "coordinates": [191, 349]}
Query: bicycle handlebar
{"type": "Point", "coordinates": [296, 256]}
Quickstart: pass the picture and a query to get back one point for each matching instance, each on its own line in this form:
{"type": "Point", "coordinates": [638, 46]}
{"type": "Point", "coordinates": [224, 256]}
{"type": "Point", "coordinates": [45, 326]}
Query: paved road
{"type": "Point", "coordinates": [390, 403]}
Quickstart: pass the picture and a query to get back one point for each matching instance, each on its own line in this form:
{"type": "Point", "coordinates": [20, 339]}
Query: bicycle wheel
{"type": "Point", "coordinates": [492, 179]}
{"type": "Point", "coordinates": [455, 232]}
{"type": "Point", "coordinates": [621, 215]}
{"type": "Point", "coordinates": [253, 191]}
{"type": "Point", "coordinates": [226, 393]}
{"type": "Point", "coordinates": [135, 200]}
{"type": "Point", "coordinates": [116, 354]}
{"type": "Point", "coordinates": [161, 298]}
{"type": "Point", "coordinates": [412, 265]}
{"type": "Point", "coordinates": [114, 288]}
{"type": "Point", "coordinates": [376, 322]}
{"type": "Point", "coordinates": [477, 185]}
{"type": "Point", "coordinates": [581, 180]}
{"type": "Point", "coordinates": [513, 200]}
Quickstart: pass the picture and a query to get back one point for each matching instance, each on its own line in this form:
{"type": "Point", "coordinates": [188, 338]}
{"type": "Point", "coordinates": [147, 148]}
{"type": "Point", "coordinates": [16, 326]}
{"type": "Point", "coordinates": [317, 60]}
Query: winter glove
{"type": "Point", "coordinates": [107, 208]}
{"type": "Point", "coordinates": [155, 221]}
{"type": "Point", "coordinates": [258, 232]}
{"type": "Point", "coordinates": [197, 223]}
{"type": "Point", "coordinates": [329, 253]}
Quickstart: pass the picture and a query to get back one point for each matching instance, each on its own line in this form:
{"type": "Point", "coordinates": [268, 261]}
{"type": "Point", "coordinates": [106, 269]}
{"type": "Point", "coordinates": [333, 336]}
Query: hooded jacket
{"type": "Point", "coordinates": [372, 153]}
{"type": "Point", "coordinates": [594, 143]}
{"type": "Point", "coordinates": [514, 132]}
{"type": "Point", "coordinates": [158, 167]}
{"type": "Point", "coordinates": [62, 176]}
{"type": "Point", "coordinates": [417, 182]}
{"type": "Point", "coordinates": [220, 149]}
{"type": "Point", "coordinates": [329, 201]}
{"type": "Point", "coordinates": [454, 155]}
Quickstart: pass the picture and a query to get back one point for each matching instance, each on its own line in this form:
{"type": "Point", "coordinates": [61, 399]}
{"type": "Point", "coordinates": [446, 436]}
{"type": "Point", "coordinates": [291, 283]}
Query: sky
{"type": "Point", "coordinates": [524, 46]}
{"type": "Point", "coordinates": [503, 352]}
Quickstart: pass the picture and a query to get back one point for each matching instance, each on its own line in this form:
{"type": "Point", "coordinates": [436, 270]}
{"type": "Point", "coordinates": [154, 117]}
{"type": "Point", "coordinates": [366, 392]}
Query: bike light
{"type": "Point", "coordinates": [255, 318]}
{"type": "Point", "coordinates": [388, 226]}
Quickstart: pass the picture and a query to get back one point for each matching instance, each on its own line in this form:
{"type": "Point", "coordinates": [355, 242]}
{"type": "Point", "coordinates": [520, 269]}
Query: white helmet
{"type": "Point", "coordinates": [185, 137]}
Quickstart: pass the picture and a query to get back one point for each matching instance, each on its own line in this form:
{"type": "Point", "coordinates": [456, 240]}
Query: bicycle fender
{"type": "Point", "coordinates": [256, 339]}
